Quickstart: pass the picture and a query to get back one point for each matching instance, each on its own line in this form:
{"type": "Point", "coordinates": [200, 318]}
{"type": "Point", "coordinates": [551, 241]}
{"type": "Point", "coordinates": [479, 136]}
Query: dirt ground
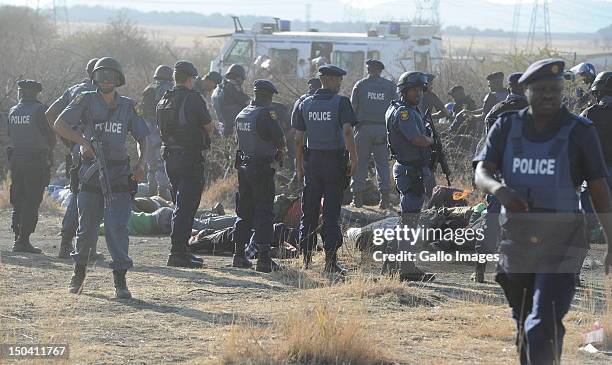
{"type": "Point", "coordinates": [192, 316]}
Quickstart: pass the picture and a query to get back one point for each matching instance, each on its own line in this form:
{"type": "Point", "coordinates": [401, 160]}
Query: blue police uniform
{"type": "Point", "coordinates": [370, 98]}
{"type": "Point", "coordinates": [30, 143]}
{"type": "Point", "coordinates": [228, 100]}
{"type": "Point", "coordinates": [322, 116]}
{"type": "Point", "coordinates": [70, 222]}
{"type": "Point", "coordinates": [156, 175]}
{"type": "Point", "coordinates": [541, 250]}
{"type": "Point", "coordinates": [258, 134]}
{"type": "Point", "coordinates": [182, 113]}
{"type": "Point", "coordinates": [413, 177]}
{"type": "Point", "coordinates": [111, 123]}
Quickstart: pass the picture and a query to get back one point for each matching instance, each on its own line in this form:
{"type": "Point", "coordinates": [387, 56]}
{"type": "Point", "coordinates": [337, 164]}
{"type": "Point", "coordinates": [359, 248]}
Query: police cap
{"type": "Point", "coordinates": [331, 70]}
{"type": "Point", "coordinates": [186, 68]}
{"type": "Point", "coordinates": [374, 62]}
{"type": "Point", "coordinates": [550, 68]}
{"type": "Point", "coordinates": [455, 89]}
{"type": "Point", "coordinates": [495, 76]}
{"type": "Point", "coordinates": [214, 76]}
{"type": "Point", "coordinates": [264, 85]}
{"type": "Point", "coordinates": [514, 77]}
{"type": "Point", "coordinates": [603, 82]}
{"type": "Point", "coordinates": [411, 79]}
{"type": "Point", "coordinates": [29, 85]}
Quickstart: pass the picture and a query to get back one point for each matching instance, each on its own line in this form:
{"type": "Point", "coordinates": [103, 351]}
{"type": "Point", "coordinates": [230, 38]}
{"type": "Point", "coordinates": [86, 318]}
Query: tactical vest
{"type": "Point", "coordinates": [323, 129]}
{"type": "Point", "coordinates": [27, 127]}
{"type": "Point", "coordinates": [249, 140]}
{"type": "Point", "coordinates": [374, 98]}
{"type": "Point", "coordinates": [500, 96]}
{"type": "Point", "coordinates": [229, 108]}
{"type": "Point", "coordinates": [401, 149]}
{"type": "Point", "coordinates": [111, 124]}
{"type": "Point", "coordinates": [601, 115]}
{"type": "Point", "coordinates": [175, 128]}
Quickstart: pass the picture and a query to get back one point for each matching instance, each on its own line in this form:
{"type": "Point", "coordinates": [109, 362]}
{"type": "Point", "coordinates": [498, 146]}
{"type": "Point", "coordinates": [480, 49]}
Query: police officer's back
{"type": "Point", "coordinates": [186, 128]}
{"type": "Point", "coordinates": [324, 126]}
{"type": "Point", "coordinates": [30, 143]}
{"type": "Point", "coordinates": [152, 94]}
{"type": "Point", "coordinates": [601, 113]}
{"type": "Point", "coordinates": [497, 92]}
{"type": "Point", "coordinates": [260, 143]}
{"type": "Point", "coordinates": [229, 99]}
{"type": "Point", "coordinates": [515, 100]}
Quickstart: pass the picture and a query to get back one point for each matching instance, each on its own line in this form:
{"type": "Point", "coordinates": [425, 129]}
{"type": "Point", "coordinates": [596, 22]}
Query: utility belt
{"type": "Point", "coordinates": [31, 153]}
{"type": "Point", "coordinates": [165, 149]}
{"type": "Point", "coordinates": [417, 181]}
{"type": "Point", "coordinates": [243, 160]}
{"type": "Point", "coordinates": [108, 163]}
{"type": "Point", "coordinates": [415, 163]}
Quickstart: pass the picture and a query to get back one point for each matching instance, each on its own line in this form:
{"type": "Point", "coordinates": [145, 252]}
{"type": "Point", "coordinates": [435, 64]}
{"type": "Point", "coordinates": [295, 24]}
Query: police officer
{"type": "Point", "coordinates": [108, 117]}
{"type": "Point", "coordinates": [463, 105]}
{"type": "Point", "coordinates": [514, 101]}
{"type": "Point", "coordinates": [543, 153]}
{"type": "Point", "coordinates": [409, 144]}
{"type": "Point", "coordinates": [497, 92]}
{"type": "Point", "coordinates": [260, 143]}
{"type": "Point", "coordinates": [314, 84]}
{"type": "Point", "coordinates": [229, 99]}
{"type": "Point", "coordinates": [370, 98]}
{"type": "Point", "coordinates": [29, 159]}
{"type": "Point", "coordinates": [70, 223]}
{"type": "Point", "coordinates": [431, 101]}
{"type": "Point", "coordinates": [186, 127]}
{"type": "Point", "coordinates": [324, 131]}
{"type": "Point", "coordinates": [586, 72]}
{"type": "Point", "coordinates": [151, 95]}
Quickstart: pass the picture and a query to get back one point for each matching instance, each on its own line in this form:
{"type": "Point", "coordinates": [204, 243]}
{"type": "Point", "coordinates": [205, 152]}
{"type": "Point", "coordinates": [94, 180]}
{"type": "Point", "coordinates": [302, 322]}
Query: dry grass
{"type": "Point", "coordinates": [5, 198]}
{"type": "Point", "coordinates": [221, 191]}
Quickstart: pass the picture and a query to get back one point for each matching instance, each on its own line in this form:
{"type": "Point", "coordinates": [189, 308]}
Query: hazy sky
{"type": "Point", "coordinates": [566, 15]}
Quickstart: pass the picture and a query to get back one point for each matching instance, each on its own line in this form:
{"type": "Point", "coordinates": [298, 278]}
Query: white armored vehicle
{"type": "Point", "coordinates": [401, 46]}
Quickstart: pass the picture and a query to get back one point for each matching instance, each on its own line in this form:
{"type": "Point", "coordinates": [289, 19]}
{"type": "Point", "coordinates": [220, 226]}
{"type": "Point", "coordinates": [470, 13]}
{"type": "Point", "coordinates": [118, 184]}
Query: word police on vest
{"type": "Point", "coordinates": [110, 127]}
{"type": "Point", "coordinates": [243, 126]}
{"type": "Point", "coordinates": [20, 119]}
{"type": "Point", "coordinates": [376, 96]}
{"type": "Point", "coordinates": [319, 116]}
{"type": "Point", "coordinates": [530, 166]}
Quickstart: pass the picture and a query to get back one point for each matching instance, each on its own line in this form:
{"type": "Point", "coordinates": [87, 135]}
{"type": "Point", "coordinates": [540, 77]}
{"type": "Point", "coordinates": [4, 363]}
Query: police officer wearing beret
{"type": "Point", "coordinates": [108, 117]}
{"type": "Point", "coordinates": [324, 132]}
{"type": "Point", "coordinates": [410, 147]}
{"type": "Point", "coordinates": [186, 127]}
{"type": "Point", "coordinates": [515, 100]}
{"type": "Point", "coordinates": [497, 92]}
{"type": "Point", "coordinates": [31, 141]}
{"type": "Point", "coordinates": [314, 84]}
{"type": "Point", "coordinates": [370, 98]}
{"type": "Point", "coordinates": [156, 173]}
{"type": "Point", "coordinates": [205, 86]}
{"type": "Point", "coordinates": [463, 105]}
{"type": "Point", "coordinates": [543, 154]}
{"type": "Point", "coordinates": [70, 223]}
{"type": "Point", "coordinates": [229, 99]}
{"type": "Point", "coordinates": [260, 143]}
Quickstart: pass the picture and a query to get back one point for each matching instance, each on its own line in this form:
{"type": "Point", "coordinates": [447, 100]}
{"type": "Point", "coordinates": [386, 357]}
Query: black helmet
{"type": "Point", "coordinates": [163, 72]}
{"type": "Point", "coordinates": [109, 63]}
{"type": "Point", "coordinates": [411, 79]}
{"type": "Point", "coordinates": [603, 82]}
{"type": "Point", "coordinates": [90, 66]}
{"type": "Point", "coordinates": [236, 70]}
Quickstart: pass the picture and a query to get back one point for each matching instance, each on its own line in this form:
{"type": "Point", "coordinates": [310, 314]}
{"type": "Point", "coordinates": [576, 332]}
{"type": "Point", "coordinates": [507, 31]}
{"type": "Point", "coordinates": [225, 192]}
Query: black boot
{"type": "Point", "coordinates": [65, 248]}
{"type": "Point", "coordinates": [264, 261]}
{"type": "Point", "coordinates": [479, 271]}
{"type": "Point", "coordinates": [194, 257]}
{"type": "Point", "coordinates": [180, 257]}
{"type": "Point", "coordinates": [239, 259]}
{"type": "Point", "coordinates": [307, 259]}
{"type": "Point", "coordinates": [76, 282]}
{"type": "Point", "coordinates": [385, 200]}
{"type": "Point", "coordinates": [332, 266]}
{"type": "Point", "coordinates": [22, 244]}
{"type": "Point", "coordinates": [121, 289]}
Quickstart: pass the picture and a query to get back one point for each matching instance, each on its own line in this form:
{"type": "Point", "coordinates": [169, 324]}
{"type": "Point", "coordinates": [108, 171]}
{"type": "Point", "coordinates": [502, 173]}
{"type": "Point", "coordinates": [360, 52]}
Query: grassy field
{"type": "Point", "coordinates": [222, 315]}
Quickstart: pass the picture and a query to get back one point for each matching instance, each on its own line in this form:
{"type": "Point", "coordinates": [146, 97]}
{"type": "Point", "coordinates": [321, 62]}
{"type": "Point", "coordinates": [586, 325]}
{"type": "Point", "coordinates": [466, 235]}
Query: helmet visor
{"type": "Point", "coordinates": [106, 76]}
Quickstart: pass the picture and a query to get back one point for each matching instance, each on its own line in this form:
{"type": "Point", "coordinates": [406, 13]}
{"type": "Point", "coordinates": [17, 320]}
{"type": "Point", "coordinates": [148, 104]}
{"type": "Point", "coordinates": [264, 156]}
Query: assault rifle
{"type": "Point", "coordinates": [437, 150]}
{"type": "Point", "coordinates": [99, 166]}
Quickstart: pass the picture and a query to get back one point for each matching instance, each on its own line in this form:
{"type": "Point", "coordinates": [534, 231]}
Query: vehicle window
{"type": "Point", "coordinates": [421, 61]}
{"type": "Point", "coordinates": [352, 62]}
{"type": "Point", "coordinates": [284, 61]}
{"type": "Point", "coordinates": [241, 52]}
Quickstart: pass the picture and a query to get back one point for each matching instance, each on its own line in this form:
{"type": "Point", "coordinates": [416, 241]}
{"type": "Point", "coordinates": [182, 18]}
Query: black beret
{"type": "Point", "coordinates": [331, 70]}
{"type": "Point", "coordinates": [214, 76]}
{"type": "Point", "coordinates": [514, 77]}
{"type": "Point", "coordinates": [550, 68]}
{"type": "Point", "coordinates": [455, 89]}
{"type": "Point", "coordinates": [495, 76]}
{"type": "Point", "coordinates": [30, 85]}
{"type": "Point", "coordinates": [186, 67]}
{"type": "Point", "coordinates": [261, 85]}
{"type": "Point", "coordinates": [379, 63]}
